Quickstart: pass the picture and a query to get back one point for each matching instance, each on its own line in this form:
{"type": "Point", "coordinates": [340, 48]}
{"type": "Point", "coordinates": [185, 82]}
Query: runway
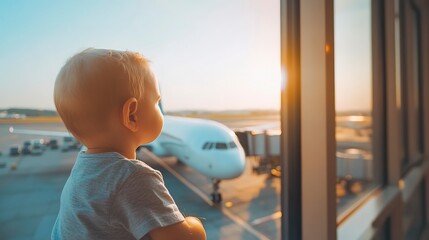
{"type": "Point", "coordinates": [30, 194]}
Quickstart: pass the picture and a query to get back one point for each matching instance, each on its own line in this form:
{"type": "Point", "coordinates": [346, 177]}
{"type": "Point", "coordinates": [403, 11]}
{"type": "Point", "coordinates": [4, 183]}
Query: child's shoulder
{"type": "Point", "coordinates": [110, 164]}
{"type": "Point", "coordinates": [141, 166]}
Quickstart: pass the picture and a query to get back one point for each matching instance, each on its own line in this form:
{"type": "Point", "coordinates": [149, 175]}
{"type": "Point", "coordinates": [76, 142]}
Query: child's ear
{"type": "Point", "coordinates": [129, 114]}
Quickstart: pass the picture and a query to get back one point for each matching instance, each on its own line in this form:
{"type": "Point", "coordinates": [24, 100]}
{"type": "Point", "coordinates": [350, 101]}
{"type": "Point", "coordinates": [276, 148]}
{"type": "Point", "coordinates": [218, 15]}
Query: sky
{"type": "Point", "coordinates": [206, 55]}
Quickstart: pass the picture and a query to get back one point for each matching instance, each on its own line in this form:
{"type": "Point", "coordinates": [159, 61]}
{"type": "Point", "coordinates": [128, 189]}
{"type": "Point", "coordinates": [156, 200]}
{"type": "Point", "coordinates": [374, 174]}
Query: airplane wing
{"type": "Point", "coordinates": [39, 132]}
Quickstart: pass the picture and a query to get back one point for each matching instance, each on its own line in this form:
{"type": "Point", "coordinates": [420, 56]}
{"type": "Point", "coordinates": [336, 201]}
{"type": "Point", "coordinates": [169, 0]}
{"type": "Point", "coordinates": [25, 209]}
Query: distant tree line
{"type": "Point", "coordinates": [30, 112]}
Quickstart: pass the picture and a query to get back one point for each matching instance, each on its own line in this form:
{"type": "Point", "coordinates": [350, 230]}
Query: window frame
{"type": "Point", "coordinates": [401, 184]}
{"type": "Point", "coordinates": [308, 186]}
{"type": "Point", "coordinates": [381, 213]}
{"type": "Point", "coordinates": [412, 68]}
{"type": "Point", "coordinates": [380, 108]}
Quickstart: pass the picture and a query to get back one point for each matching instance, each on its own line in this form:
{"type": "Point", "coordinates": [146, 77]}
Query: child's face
{"type": "Point", "coordinates": [150, 113]}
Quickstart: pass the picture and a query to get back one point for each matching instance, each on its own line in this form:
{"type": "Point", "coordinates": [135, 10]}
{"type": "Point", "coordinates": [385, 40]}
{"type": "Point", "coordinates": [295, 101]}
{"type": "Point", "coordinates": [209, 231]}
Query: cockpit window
{"type": "Point", "coordinates": [208, 145]}
{"type": "Point", "coordinates": [232, 145]}
{"type": "Point", "coordinates": [220, 145]}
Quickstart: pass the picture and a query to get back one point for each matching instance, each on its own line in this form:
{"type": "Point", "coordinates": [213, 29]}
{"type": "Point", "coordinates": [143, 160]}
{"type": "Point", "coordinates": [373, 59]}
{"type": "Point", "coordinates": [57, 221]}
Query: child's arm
{"type": "Point", "coordinates": [190, 229]}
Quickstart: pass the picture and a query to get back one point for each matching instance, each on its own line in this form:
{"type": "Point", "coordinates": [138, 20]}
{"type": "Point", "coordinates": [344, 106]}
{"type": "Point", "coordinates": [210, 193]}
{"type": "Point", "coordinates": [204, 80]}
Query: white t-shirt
{"type": "Point", "coordinates": [110, 197]}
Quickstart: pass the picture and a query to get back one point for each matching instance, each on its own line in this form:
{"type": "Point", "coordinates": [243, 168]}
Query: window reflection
{"type": "Point", "coordinates": [353, 87]}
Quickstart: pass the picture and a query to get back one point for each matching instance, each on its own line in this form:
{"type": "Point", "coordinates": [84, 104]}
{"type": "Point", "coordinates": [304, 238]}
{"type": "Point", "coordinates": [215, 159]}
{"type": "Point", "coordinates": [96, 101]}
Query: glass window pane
{"type": "Point", "coordinates": [353, 97]}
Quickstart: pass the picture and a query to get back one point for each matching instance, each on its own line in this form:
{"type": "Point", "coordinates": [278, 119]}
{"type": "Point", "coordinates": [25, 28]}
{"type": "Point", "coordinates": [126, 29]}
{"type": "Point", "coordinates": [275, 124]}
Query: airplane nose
{"type": "Point", "coordinates": [233, 164]}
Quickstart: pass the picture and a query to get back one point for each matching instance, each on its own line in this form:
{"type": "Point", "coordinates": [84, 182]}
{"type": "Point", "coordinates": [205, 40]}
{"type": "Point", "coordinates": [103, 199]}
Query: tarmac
{"type": "Point", "coordinates": [30, 193]}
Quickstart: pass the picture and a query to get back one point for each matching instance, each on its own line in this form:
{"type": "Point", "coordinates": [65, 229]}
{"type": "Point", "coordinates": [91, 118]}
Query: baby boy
{"type": "Point", "coordinates": [108, 100]}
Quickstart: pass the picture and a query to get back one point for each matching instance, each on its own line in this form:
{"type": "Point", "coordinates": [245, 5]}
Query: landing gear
{"type": "Point", "coordinates": [180, 162]}
{"type": "Point", "coordinates": [216, 196]}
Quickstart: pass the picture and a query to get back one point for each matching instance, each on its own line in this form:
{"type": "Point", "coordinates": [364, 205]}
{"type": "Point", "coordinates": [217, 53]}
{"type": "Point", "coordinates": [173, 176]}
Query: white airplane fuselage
{"type": "Point", "coordinates": [207, 146]}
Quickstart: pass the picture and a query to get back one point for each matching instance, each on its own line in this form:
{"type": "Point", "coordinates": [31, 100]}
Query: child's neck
{"type": "Point", "coordinates": [113, 140]}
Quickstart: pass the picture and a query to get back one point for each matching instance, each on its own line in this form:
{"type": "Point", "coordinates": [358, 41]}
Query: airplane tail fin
{"type": "Point", "coordinates": [161, 107]}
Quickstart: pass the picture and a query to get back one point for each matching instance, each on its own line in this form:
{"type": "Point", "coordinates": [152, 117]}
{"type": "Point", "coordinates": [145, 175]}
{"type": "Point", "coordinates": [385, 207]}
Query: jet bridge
{"type": "Point", "coordinates": [264, 148]}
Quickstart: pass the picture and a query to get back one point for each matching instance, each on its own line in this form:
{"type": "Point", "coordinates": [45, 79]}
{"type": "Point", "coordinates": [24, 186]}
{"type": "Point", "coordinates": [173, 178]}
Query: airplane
{"type": "Point", "coordinates": [206, 146]}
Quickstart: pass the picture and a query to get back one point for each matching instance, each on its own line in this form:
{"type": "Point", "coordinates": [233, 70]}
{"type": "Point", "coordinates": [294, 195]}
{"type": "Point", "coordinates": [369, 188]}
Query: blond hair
{"type": "Point", "coordinates": [95, 83]}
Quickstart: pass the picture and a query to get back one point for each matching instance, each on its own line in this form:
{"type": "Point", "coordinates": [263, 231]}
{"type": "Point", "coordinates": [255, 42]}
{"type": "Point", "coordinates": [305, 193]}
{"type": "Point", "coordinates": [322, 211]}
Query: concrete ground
{"type": "Point", "coordinates": [30, 194]}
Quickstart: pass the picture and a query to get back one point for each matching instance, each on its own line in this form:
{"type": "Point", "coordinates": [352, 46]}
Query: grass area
{"type": "Point", "coordinates": [45, 119]}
